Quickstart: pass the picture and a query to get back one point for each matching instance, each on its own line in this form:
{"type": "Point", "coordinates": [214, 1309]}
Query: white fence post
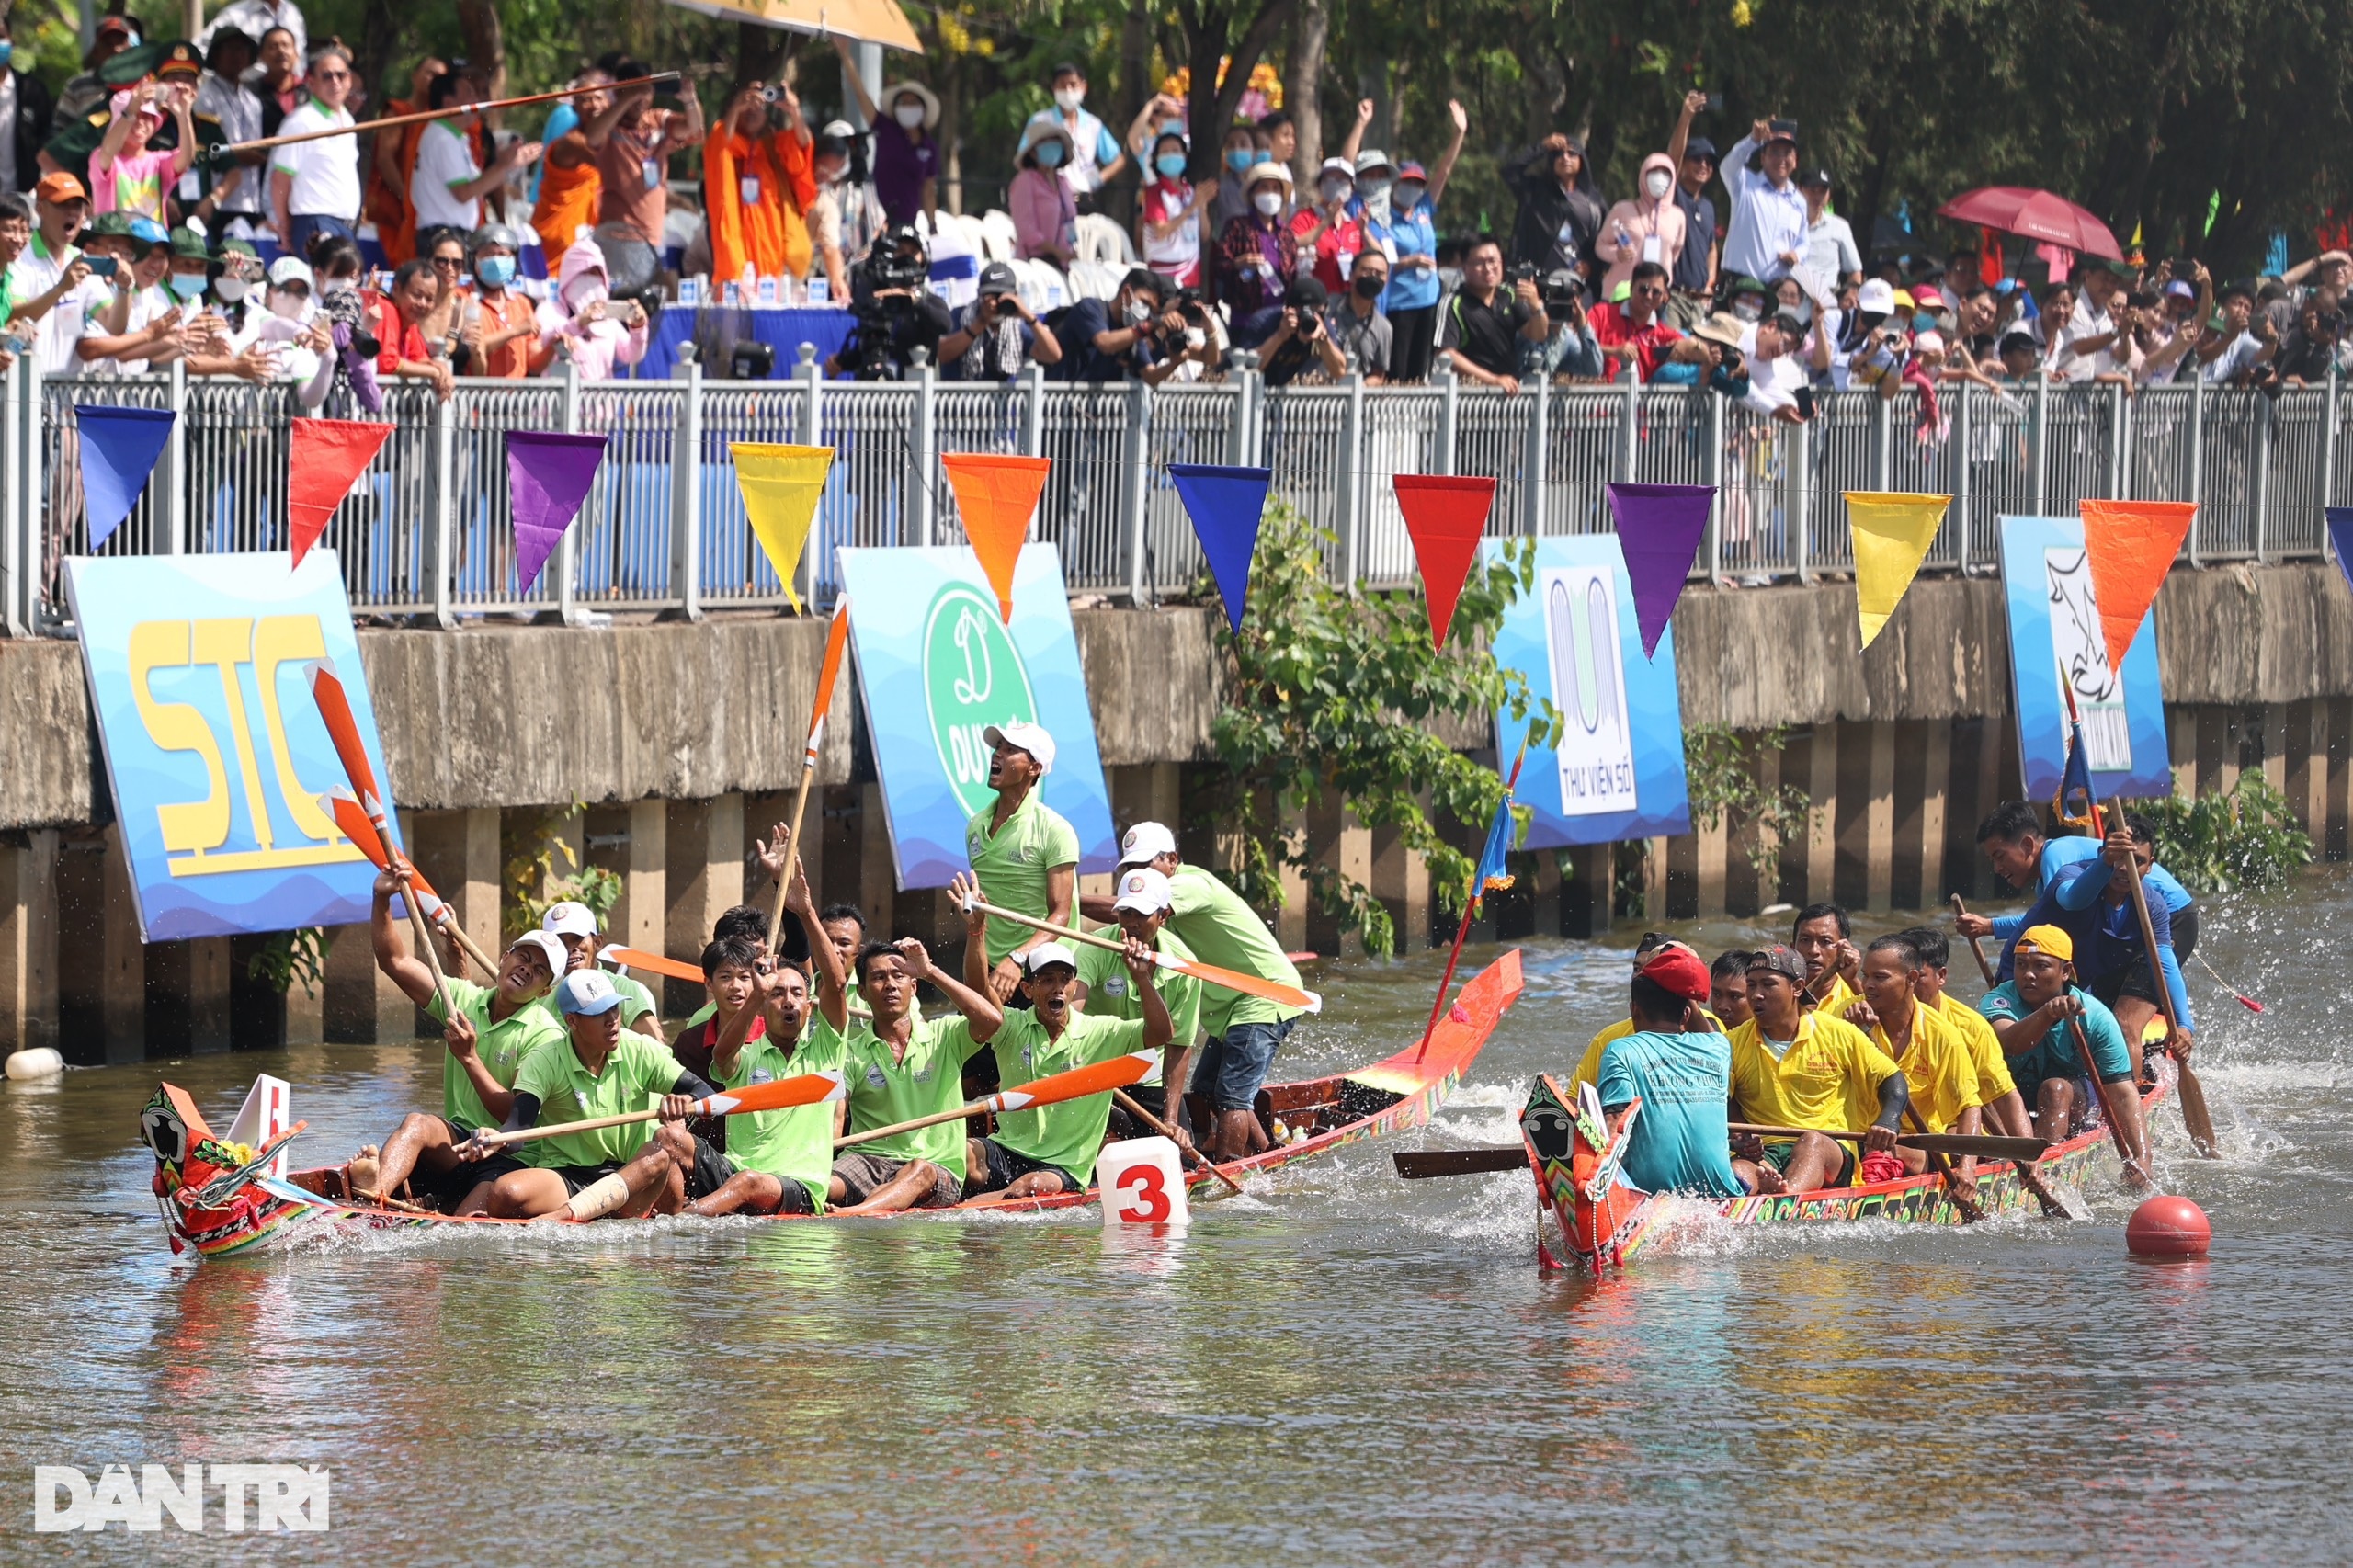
{"type": "Point", "coordinates": [567, 552]}
{"type": "Point", "coordinates": [2038, 441]}
{"type": "Point", "coordinates": [1716, 483]}
{"type": "Point", "coordinates": [1539, 397]}
{"type": "Point", "coordinates": [1964, 426]}
{"type": "Point", "coordinates": [1349, 510]}
{"type": "Point", "coordinates": [2265, 411]}
{"type": "Point", "coordinates": [813, 434]}
{"type": "Point", "coordinates": [686, 495]}
{"type": "Point", "coordinates": [2328, 466]}
{"type": "Point", "coordinates": [1798, 510]}
{"type": "Point", "coordinates": [1450, 408]}
{"type": "Point", "coordinates": [175, 470]}
{"type": "Point", "coordinates": [20, 493]}
{"type": "Point", "coordinates": [2196, 466]}
{"type": "Point", "coordinates": [923, 440]}
{"type": "Point", "coordinates": [1033, 410]}
{"type": "Point", "coordinates": [443, 556]}
{"type": "Point", "coordinates": [1135, 485]}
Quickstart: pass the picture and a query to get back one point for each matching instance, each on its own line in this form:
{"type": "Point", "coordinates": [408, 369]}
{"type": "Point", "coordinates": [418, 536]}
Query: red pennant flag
{"type": "Point", "coordinates": [2130, 546]}
{"type": "Point", "coordinates": [996, 497]}
{"type": "Point", "coordinates": [1445, 514]}
{"type": "Point", "coordinates": [328, 457]}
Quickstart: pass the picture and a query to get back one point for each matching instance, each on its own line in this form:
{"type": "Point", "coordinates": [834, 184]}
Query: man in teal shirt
{"type": "Point", "coordinates": [1024, 854]}
{"type": "Point", "coordinates": [1681, 1071]}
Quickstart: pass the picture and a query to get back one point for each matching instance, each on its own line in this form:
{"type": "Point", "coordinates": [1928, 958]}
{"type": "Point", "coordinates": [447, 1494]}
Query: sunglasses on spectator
{"type": "Point", "coordinates": [1650, 290]}
{"type": "Point", "coordinates": [447, 263]}
{"type": "Point", "coordinates": [332, 76]}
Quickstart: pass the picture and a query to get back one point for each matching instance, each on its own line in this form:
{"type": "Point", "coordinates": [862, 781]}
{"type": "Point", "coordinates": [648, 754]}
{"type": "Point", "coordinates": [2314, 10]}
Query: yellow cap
{"type": "Point", "coordinates": [2047, 940]}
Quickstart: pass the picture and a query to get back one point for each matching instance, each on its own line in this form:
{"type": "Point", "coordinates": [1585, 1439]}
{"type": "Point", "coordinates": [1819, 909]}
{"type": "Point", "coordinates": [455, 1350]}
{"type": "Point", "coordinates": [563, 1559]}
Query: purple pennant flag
{"type": "Point", "coordinates": [2340, 534]}
{"type": "Point", "coordinates": [548, 476]}
{"type": "Point", "coordinates": [1659, 530]}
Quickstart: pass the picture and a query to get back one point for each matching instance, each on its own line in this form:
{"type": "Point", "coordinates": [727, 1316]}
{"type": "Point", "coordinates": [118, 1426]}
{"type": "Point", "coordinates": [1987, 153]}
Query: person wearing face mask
{"type": "Point", "coordinates": [1408, 237]}
{"type": "Point", "coordinates": [1257, 258]}
{"type": "Point", "coordinates": [500, 326]}
{"type": "Point", "coordinates": [448, 187]}
{"type": "Point", "coordinates": [1301, 347]}
{"type": "Point", "coordinates": [132, 320]}
{"type": "Point", "coordinates": [1326, 230]}
{"type": "Point", "coordinates": [906, 157]}
{"type": "Point", "coordinates": [600, 332]}
{"type": "Point", "coordinates": [1168, 218]}
{"type": "Point", "coordinates": [1357, 326]}
{"type": "Point", "coordinates": [1133, 335]}
{"type": "Point", "coordinates": [1227, 197]}
{"type": "Point", "coordinates": [285, 336]}
{"type": "Point", "coordinates": [1045, 212]}
{"type": "Point", "coordinates": [1560, 209]}
{"type": "Point", "coordinates": [1649, 228]}
{"type": "Point", "coordinates": [1095, 158]}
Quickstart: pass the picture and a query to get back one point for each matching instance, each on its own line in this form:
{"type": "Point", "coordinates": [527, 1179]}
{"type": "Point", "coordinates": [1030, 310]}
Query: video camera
{"type": "Point", "coordinates": [1560, 291]}
{"type": "Point", "coordinates": [887, 304]}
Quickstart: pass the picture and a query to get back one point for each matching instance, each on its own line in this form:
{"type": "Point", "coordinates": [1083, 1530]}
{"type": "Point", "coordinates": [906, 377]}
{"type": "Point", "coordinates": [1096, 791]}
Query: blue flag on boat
{"type": "Point", "coordinates": [2075, 804]}
{"type": "Point", "coordinates": [2340, 534]}
{"type": "Point", "coordinates": [120, 447]}
{"type": "Point", "coordinates": [1494, 862]}
{"type": "Point", "coordinates": [1225, 505]}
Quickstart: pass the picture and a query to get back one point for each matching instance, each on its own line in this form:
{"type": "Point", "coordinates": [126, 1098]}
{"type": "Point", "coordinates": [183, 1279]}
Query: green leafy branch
{"type": "Point", "coordinates": [1720, 770]}
{"type": "Point", "coordinates": [2244, 837]}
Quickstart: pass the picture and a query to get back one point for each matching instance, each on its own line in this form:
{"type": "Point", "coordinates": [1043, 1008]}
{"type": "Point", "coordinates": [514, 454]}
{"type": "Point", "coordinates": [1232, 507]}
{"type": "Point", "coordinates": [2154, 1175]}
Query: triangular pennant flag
{"type": "Point", "coordinates": [996, 497]}
{"type": "Point", "coordinates": [1225, 505]}
{"type": "Point", "coordinates": [120, 447]}
{"type": "Point", "coordinates": [781, 486]}
{"type": "Point", "coordinates": [326, 457]}
{"type": "Point", "coordinates": [2129, 546]}
{"type": "Point", "coordinates": [1893, 533]}
{"type": "Point", "coordinates": [548, 476]}
{"type": "Point", "coordinates": [1659, 530]}
{"type": "Point", "coordinates": [1445, 514]}
{"type": "Point", "coordinates": [2340, 534]}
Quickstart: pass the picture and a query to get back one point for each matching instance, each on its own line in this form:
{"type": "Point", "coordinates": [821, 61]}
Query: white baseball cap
{"type": "Point", "coordinates": [568, 919]}
{"type": "Point", "coordinates": [1045, 953]}
{"type": "Point", "coordinates": [292, 269]}
{"type": "Point", "coordinates": [1023, 735]}
{"type": "Point", "coordinates": [1877, 296]}
{"type": "Point", "coordinates": [547, 946]}
{"type": "Point", "coordinates": [1142, 890]}
{"type": "Point", "coordinates": [1146, 841]}
{"type": "Point", "coordinates": [588, 991]}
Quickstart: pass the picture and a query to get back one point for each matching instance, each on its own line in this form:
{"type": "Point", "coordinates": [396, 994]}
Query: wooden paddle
{"type": "Point", "coordinates": [1208, 974]}
{"type": "Point", "coordinates": [1984, 1147]}
{"type": "Point", "coordinates": [1975, 951]}
{"type": "Point", "coordinates": [1971, 1211]}
{"type": "Point", "coordinates": [2194, 1114]}
{"type": "Point", "coordinates": [1127, 1103]}
{"type": "Point", "coordinates": [837, 639]}
{"type": "Point", "coordinates": [809, 1088]}
{"type": "Point", "coordinates": [1077, 1083]}
{"type": "Point", "coordinates": [2091, 1070]}
{"type": "Point", "coordinates": [1420, 1164]}
{"type": "Point", "coordinates": [352, 819]}
{"type": "Point", "coordinates": [638, 958]}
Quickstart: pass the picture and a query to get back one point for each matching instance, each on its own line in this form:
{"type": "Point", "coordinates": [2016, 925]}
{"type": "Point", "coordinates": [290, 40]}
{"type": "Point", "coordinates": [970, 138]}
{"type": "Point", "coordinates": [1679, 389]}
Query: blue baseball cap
{"type": "Point", "coordinates": [589, 992]}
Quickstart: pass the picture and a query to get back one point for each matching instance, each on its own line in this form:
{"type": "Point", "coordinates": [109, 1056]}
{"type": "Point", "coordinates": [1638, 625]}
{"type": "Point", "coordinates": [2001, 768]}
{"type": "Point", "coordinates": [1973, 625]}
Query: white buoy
{"type": "Point", "coordinates": [1142, 1183]}
{"type": "Point", "coordinates": [40, 1061]}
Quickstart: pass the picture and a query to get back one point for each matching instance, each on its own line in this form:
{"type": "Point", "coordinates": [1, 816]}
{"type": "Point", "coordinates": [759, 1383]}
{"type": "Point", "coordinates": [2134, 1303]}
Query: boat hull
{"type": "Point", "coordinates": [266, 1214]}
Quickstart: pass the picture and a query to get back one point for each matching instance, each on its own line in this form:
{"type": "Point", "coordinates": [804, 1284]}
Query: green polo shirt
{"type": "Point", "coordinates": [1067, 1136]}
{"type": "Point", "coordinates": [1210, 918]}
{"type": "Point", "coordinates": [638, 1073]}
{"type": "Point", "coordinates": [796, 1142]}
{"type": "Point", "coordinates": [1112, 994]}
{"type": "Point", "coordinates": [1011, 865]}
{"type": "Point", "coordinates": [884, 1088]}
{"type": "Point", "coordinates": [502, 1047]}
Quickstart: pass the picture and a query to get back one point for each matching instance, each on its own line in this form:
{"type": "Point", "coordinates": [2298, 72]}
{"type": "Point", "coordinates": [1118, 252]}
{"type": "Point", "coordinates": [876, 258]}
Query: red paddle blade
{"type": "Point", "coordinates": [836, 640]}
{"type": "Point", "coordinates": [2249, 1003]}
{"type": "Point", "coordinates": [810, 1088]}
{"type": "Point", "coordinates": [344, 730]}
{"type": "Point", "coordinates": [1100, 1078]}
{"type": "Point", "coordinates": [652, 963]}
{"type": "Point", "coordinates": [1248, 984]}
{"type": "Point", "coordinates": [351, 820]}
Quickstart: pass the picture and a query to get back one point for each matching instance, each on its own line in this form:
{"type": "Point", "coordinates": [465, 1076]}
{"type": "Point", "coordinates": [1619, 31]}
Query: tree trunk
{"type": "Point", "coordinates": [759, 54]}
{"type": "Point", "coordinates": [485, 48]}
{"type": "Point", "coordinates": [1311, 34]}
{"type": "Point", "coordinates": [1118, 200]}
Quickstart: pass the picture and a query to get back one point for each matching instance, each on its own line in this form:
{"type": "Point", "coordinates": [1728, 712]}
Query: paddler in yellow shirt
{"type": "Point", "coordinates": [1824, 937]}
{"type": "Point", "coordinates": [1939, 1077]}
{"type": "Point", "coordinates": [1998, 1092]}
{"type": "Point", "coordinates": [1651, 946]}
{"type": "Point", "coordinates": [1795, 1068]}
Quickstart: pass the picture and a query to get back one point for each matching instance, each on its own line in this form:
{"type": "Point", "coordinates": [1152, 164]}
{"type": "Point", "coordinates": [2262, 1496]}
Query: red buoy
{"type": "Point", "coordinates": [2166, 1226]}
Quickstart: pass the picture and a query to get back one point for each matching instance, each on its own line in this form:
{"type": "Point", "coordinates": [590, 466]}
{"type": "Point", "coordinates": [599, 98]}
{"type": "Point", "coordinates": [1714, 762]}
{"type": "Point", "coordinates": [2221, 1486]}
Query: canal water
{"type": "Point", "coordinates": [1340, 1368]}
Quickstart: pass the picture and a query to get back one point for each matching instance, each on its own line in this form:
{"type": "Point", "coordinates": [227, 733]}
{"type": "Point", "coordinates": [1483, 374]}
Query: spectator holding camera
{"type": "Point", "coordinates": [896, 311]}
{"type": "Point", "coordinates": [2231, 352]}
{"type": "Point", "coordinates": [1136, 334]}
{"type": "Point", "coordinates": [1766, 232]}
{"type": "Point", "coordinates": [1045, 210]}
{"type": "Point", "coordinates": [1358, 327]}
{"type": "Point", "coordinates": [1300, 345]}
{"type": "Point", "coordinates": [633, 141]}
{"type": "Point", "coordinates": [994, 335]}
{"type": "Point", "coordinates": [601, 333]}
{"type": "Point", "coordinates": [1650, 227]}
{"type": "Point", "coordinates": [1560, 209]}
{"type": "Point", "coordinates": [1257, 256]}
{"type": "Point", "coordinates": [2314, 346]}
{"type": "Point", "coordinates": [758, 181]}
{"type": "Point", "coordinates": [1485, 323]}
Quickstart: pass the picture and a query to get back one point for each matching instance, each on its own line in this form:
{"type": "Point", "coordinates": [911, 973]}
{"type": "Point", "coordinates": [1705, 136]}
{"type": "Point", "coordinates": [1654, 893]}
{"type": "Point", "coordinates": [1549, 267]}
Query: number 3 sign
{"type": "Point", "coordinates": [1142, 1183]}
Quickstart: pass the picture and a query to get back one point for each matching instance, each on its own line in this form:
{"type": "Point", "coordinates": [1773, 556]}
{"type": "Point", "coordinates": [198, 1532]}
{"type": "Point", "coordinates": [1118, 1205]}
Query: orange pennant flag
{"type": "Point", "coordinates": [997, 496]}
{"type": "Point", "coordinates": [2131, 545]}
{"type": "Point", "coordinates": [1445, 514]}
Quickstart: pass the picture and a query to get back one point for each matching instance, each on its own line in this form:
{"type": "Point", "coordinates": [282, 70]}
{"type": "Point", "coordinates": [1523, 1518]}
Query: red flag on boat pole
{"type": "Point", "coordinates": [1445, 514]}
{"type": "Point", "coordinates": [1489, 863]}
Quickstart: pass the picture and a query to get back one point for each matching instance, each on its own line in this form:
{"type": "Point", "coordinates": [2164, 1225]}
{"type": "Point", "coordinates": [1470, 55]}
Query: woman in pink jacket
{"type": "Point", "coordinates": [1045, 216]}
{"type": "Point", "coordinates": [1648, 228]}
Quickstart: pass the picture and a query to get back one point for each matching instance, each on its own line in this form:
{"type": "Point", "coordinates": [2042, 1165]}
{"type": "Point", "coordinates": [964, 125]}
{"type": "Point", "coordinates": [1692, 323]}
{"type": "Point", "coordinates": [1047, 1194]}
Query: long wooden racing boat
{"type": "Point", "coordinates": [1574, 1152]}
{"type": "Point", "coordinates": [218, 1199]}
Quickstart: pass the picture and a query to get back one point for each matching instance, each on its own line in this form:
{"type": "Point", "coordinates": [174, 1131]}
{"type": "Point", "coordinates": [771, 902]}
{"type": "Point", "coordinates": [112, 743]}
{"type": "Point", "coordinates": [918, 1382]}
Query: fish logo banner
{"type": "Point", "coordinates": [1659, 530]}
{"type": "Point", "coordinates": [1225, 505]}
{"type": "Point", "coordinates": [325, 458]}
{"type": "Point", "coordinates": [781, 485]}
{"type": "Point", "coordinates": [2131, 545]}
{"type": "Point", "coordinates": [1444, 515]}
{"type": "Point", "coordinates": [120, 448]}
{"type": "Point", "coordinates": [1892, 534]}
{"type": "Point", "coordinates": [996, 497]}
{"type": "Point", "coordinates": [549, 474]}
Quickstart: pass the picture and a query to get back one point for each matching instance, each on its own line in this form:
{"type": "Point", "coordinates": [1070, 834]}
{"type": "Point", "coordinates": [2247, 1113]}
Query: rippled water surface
{"type": "Point", "coordinates": [1342, 1367]}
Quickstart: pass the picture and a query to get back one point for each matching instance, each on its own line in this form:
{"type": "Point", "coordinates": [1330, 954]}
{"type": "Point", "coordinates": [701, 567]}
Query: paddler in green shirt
{"type": "Point", "coordinates": [493, 1030]}
{"type": "Point", "coordinates": [899, 1065]}
{"type": "Point", "coordinates": [779, 1162]}
{"type": "Point", "coordinates": [601, 1070]}
{"type": "Point", "coordinates": [1141, 903]}
{"type": "Point", "coordinates": [574, 925]}
{"type": "Point", "coordinates": [843, 924]}
{"type": "Point", "coordinates": [1244, 1031]}
{"type": "Point", "coordinates": [1024, 854]}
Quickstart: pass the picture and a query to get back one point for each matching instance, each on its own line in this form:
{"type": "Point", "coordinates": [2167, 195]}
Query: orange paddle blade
{"type": "Point", "coordinates": [836, 641]}
{"type": "Point", "coordinates": [1248, 984]}
{"type": "Point", "coordinates": [351, 818]}
{"type": "Point", "coordinates": [1100, 1078]}
{"type": "Point", "coordinates": [344, 730]}
{"type": "Point", "coordinates": [638, 958]}
{"type": "Point", "coordinates": [810, 1088]}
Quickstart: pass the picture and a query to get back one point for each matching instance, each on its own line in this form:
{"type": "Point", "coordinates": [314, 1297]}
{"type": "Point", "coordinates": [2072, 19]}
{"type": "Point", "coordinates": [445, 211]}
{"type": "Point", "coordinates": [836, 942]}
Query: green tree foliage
{"type": "Point", "coordinates": [2243, 838]}
{"type": "Point", "coordinates": [1720, 770]}
{"type": "Point", "coordinates": [1335, 694]}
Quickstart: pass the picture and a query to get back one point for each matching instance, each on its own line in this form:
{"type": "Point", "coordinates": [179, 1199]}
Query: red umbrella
{"type": "Point", "coordinates": [2036, 215]}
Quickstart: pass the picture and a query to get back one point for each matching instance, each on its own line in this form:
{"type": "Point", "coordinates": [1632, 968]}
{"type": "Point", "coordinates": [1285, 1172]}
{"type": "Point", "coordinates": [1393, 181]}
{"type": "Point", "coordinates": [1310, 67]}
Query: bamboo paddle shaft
{"type": "Point", "coordinates": [526, 1134]}
{"type": "Point", "coordinates": [1975, 950]}
{"type": "Point", "coordinates": [1127, 1103]}
{"type": "Point", "coordinates": [2195, 1117]}
{"type": "Point", "coordinates": [792, 855]}
{"type": "Point", "coordinates": [369, 128]}
{"type": "Point", "coordinates": [417, 922]}
{"type": "Point", "coordinates": [973, 1107]}
{"type": "Point", "coordinates": [2091, 1070]}
{"type": "Point", "coordinates": [474, 954]}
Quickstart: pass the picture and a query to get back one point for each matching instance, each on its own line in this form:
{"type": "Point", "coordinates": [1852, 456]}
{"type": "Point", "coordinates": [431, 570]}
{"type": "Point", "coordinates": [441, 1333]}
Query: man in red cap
{"type": "Point", "coordinates": [1680, 1068]}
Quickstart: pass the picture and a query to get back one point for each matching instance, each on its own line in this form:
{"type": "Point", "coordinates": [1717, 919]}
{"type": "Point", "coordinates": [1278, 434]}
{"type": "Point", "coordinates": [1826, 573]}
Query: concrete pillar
{"type": "Point", "coordinates": [1965, 739]}
{"type": "Point", "coordinates": [1337, 844]}
{"type": "Point", "coordinates": [360, 1005]}
{"type": "Point", "coordinates": [457, 852]}
{"type": "Point", "coordinates": [1820, 864]}
{"type": "Point", "coordinates": [2218, 749]}
{"type": "Point", "coordinates": [2307, 784]}
{"type": "Point", "coordinates": [845, 859]}
{"type": "Point", "coordinates": [1585, 891]}
{"type": "Point", "coordinates": [1546, 884]}
{"type": "Point", "coordinates": [700, 877]}
{"type": "Point", "coordinates": [187, 994]}
{"type": "Point", "coordinates": [761, 812]}
{"type": "Point", "coordinates": [1711, 846]}
{"type": "Point", "coordinates": [2275, 741]}
{"type": "Point", "coordinates": [877, 879]}
{"type": "Point", "coordinates": [1680, 880]}
{"type": "Point", "coordinates": [306, 1007]}
{"type": "Point", "coordinates": [1923, 751]}
{"type": "Point", "coordinates": [29, 941]}
{"type": "Point", "coordinates": [1746, 889]}
{"type": "Point", "coordinates": [2182, 745]}
{"type": "Point", "coordinates": [1290, 923]}
{"type": "Point", "coordinates": [1850, 804]}
{"type": "Point", "coordinates": [1401, 881]}
{"type": "Point", "coordinates": [1998, 779]}
{"type": "Point", "coordinates": [2340, 777]}
{"type": "Point", "coordinates": [123, 959]}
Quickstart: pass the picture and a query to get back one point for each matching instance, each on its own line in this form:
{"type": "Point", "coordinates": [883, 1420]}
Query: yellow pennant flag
{"type": "Point", "coordinates": [1892, 536]}
{"type": "Point", "coordinates": [781, 485]}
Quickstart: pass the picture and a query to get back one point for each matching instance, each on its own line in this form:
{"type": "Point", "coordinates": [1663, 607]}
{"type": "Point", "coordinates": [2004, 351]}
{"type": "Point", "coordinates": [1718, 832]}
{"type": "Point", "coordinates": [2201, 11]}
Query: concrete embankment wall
{"type": "Point", "coordinates": [660, 751]}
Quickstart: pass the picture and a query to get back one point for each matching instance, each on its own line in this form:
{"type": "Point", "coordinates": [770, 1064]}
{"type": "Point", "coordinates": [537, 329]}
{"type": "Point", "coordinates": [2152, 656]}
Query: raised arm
{"type": "Point", "coordinates": [1693, 102]}
{"type": "Point", "coordinates": [982, 1014]}
{"type": "Point", "coordinates": [400, 966]}
{"type": "Point", "coordinates": [857, 82]}
{"type": "Point", "coordinates": [1443, 170]}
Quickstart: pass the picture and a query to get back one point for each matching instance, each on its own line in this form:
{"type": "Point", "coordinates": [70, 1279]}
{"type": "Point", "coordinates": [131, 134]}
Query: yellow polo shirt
{"type": "Point", "coordinates": [1994, 1080]}
{"type": "Point", "coordinates": [1590, 1064]}
{"type": "Point", "coordinates": [1828, 1079]}
{"type": "Point", "coordinates": [1937, 1069]}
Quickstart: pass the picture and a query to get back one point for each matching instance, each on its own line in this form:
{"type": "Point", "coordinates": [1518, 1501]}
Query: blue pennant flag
{"type": "Point", "coordinates": [1225, 505]}
{"type": "Point", "coordinates": [120, 447]}
{"type": "Point", "coordinates": [1494, 862]}
{"type": "Point", "coordinates": [2340, 534]}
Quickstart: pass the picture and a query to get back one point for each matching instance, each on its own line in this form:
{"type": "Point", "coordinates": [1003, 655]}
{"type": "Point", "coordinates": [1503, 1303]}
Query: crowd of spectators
{"type": "Point", "coordinates": [462, 245]}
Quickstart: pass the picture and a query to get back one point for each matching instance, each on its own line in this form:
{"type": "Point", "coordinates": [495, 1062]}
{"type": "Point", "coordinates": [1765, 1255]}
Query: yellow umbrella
{"type": "Point", "coordinates": [864, 21]}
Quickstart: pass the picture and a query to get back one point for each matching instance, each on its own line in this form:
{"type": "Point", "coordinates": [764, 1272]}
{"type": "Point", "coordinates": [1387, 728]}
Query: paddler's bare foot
{"type": "Point", "coordinates": [1768, 1180]}
{"type": "Point", "coordinates": [361, 1172]}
